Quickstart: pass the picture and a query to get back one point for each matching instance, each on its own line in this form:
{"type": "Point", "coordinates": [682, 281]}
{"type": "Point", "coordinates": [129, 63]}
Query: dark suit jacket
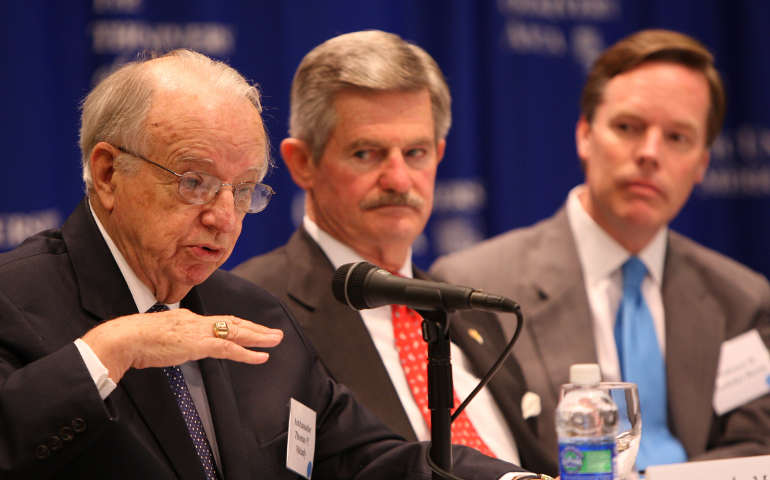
{"type": "Point", "coordinates": [53, 424]}
{"type": "Point", "coordinates": [300, 274]}
{"type": "Point", "coordinates": [707, 298]}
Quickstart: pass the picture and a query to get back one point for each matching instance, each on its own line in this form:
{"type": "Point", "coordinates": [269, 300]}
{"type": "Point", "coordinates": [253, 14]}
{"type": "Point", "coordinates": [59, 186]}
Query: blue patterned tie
{"type": "Point", "coordinates": [190, 414]}
{"type": "Point", "coordinates": [641, 362]}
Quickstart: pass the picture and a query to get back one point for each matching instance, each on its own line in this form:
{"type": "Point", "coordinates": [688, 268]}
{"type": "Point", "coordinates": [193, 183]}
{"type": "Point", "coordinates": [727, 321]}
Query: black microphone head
{"type": "Point", "coordinates": [348, 281]}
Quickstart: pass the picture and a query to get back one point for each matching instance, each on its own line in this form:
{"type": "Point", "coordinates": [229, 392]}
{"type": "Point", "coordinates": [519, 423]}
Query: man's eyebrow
{"type": "Point", "coordinates": [258, 172]}
{"type": "Point", "coordinates": [421, 141]}
{"type": "Point", "coordinates": [685, 125]}
{"type": "Point", "coordinates": [366, 142]}
{"type": "Point", "coordinates": [193, 160]}
{"type": "Point", "coordinates": [626, 114]}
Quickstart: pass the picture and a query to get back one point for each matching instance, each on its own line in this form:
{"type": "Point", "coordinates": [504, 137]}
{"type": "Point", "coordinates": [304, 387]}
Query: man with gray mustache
{"type": "Point", "coordinates": [393, 199]}
{"type": "Point", "coordinates": [369, 115]}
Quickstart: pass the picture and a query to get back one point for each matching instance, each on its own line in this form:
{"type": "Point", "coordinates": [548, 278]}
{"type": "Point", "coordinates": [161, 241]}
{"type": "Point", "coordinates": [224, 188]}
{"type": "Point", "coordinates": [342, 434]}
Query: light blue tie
{"type": "Point", "coordinates": [642, 363]}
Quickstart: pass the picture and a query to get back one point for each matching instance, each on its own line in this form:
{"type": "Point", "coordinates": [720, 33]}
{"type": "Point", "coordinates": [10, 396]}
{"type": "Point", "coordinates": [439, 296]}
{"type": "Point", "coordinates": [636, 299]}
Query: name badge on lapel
{"type": "Point", "coordinates": [300, 447]}
{"type": "Point", "coordinates": [744, 372]}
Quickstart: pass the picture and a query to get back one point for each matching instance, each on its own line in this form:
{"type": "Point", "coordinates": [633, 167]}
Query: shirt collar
{"type": "Point", "coordinates": [600, 255]}
{"type": "Point", "coordinates": [141, 293]}
{"type": "Point", "coordinates": [339, 253]}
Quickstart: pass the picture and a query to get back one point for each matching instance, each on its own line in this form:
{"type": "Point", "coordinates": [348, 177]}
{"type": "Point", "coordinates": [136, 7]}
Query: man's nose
{"type": "Point", "coordinates": [220, 212]}
{"type": "Point", "coordinates": [395, 174]}
{"type": "Point", "coordinates": [650, 146]}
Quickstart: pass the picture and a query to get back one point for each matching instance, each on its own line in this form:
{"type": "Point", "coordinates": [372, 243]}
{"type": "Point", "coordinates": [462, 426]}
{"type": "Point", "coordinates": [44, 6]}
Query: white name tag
{"type": "Point", "coordinates": [746, 468]}
{"type": "Point", "coordinates": [300, 447]}
{"type": "Point", "coordinates": [744, 372]}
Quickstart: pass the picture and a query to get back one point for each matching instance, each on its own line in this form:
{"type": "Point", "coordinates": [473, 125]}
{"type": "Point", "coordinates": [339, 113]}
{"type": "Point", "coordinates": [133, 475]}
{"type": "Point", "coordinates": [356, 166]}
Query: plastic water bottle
{"type": "Point", "coordinates": [586, 423]}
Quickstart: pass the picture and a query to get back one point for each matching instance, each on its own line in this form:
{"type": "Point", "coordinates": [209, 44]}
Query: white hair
{"type": "Point", "coordinates": [116, 109]}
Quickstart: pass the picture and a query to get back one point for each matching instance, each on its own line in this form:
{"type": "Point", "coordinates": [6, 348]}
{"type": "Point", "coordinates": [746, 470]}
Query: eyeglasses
{"type": "Point", "coordinates": [198, 188]}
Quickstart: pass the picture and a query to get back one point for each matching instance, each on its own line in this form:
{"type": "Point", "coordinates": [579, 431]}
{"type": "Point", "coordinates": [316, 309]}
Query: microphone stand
{"type": "Point", "coordinates": [435, 331]}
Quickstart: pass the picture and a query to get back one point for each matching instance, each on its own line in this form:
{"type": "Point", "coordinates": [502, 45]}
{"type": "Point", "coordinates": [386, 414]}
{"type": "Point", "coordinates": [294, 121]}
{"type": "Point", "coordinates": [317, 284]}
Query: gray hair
{"type": "Point", "coordinates": [369, 60]}
{"type": "Point", "coordinates": [116, 109]}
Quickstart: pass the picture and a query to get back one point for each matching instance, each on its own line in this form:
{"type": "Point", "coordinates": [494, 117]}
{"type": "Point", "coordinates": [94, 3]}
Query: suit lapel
{"type": "Point", "coordinates": [562, 330]}
{"type": "Point", "coordinates": [558, 333]}
{"type": "Point", "coordinates": [338, 333]}
{"type": "Point", "coordinates": [231, 438]}
{"type": "Point", "coordinates": [103, 292]}
{"type": "Point", "coordinates": [558, 325]}
{"type": "Point", "coordinates": [507, 386]}
{"type": "Point", "coordinates": [482, 341]}
{"type": "Point", "coordinates": [105, 295]}
{"type": "Point", "coordinates": [149, 391]}
{"type": "Point", "coordinates": [558, 317]}
{"type": "Point", "coordinates": [691, 313]}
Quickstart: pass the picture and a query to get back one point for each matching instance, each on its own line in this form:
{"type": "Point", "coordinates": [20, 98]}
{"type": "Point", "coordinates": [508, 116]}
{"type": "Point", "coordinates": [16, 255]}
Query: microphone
{"type": "Point", "coordinates": [362, 285]}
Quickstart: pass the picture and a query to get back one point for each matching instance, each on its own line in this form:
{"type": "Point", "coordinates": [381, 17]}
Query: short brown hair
{"type": "Point", "coordinates": [370, 60]}
{"type": "Point", "coordinates": [655, 45]}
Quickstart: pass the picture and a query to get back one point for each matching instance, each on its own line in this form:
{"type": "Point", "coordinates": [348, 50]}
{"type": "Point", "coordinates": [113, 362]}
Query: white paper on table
{"type": "Point", "coordinates": [744, 468]}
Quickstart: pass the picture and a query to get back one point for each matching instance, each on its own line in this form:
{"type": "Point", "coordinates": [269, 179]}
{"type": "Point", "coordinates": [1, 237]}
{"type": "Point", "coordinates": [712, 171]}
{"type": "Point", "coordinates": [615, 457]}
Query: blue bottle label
{"type": "Point", "coordinates": [587, 461]}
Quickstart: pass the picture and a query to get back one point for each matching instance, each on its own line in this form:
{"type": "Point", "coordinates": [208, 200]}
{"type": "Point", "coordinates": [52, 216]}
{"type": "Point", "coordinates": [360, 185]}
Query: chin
{"type": "Point", "coordinates": [645, 219]}
{"type": "Point", "coordinates": [197, 274]}
{"type": "Point", "coordinates": [397, 230]}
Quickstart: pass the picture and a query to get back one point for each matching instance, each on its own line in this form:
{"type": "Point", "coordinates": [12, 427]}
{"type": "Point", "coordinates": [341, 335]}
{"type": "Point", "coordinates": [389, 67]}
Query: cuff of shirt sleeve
{"type": "Point", "coordinates": [96, 369]}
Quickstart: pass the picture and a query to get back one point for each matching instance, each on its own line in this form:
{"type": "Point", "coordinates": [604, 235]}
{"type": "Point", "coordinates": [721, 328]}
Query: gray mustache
{"type": "Point", "coordinates": [393, 200]}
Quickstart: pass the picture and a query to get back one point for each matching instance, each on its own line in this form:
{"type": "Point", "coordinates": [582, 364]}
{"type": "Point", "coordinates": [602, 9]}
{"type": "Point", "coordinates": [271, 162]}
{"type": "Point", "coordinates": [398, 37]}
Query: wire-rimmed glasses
{"type": "Point", "coordinates": [198, 188]}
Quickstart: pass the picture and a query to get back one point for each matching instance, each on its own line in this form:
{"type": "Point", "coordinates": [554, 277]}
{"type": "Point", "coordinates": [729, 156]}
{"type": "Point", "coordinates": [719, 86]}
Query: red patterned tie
{"type": "Point", "coordinates": [413, 354]}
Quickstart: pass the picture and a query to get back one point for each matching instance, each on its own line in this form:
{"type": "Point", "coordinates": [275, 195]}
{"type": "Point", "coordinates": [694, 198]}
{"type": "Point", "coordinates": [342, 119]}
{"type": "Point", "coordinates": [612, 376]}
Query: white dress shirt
{"type": "Point", "coordinates": [601, 259]}
{"type": "Point", "coordinates": [483, 412]}
{"type": "Point", "coordinates": [144, 299]}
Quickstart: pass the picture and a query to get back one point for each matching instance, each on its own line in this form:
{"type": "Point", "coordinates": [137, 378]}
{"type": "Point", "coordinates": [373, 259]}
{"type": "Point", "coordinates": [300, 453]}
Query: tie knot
{"type": "Point", "coordinates": [158, 307]}
{"type": "Point", "coordinates": [633, 273]}
{"type": "Point", "coordinates": [402, 313]}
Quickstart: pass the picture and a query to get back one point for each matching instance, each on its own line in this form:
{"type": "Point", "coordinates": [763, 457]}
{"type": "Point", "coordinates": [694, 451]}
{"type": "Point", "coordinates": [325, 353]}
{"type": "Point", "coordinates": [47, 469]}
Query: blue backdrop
{"type": "Point", "coordinates": [515, 69]}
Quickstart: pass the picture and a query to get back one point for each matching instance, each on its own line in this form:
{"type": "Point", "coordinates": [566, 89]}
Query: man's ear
{"type": "Point", "coordinates": [703, 165]}
{"type": "Point", "coordinates": [299, 160]}
{"type": "Point", "coordinates": [102, 163]}
{"type": "Point", "coordinates": [583, 140]}
{"type": "Point", "coordinates": [440, 149]}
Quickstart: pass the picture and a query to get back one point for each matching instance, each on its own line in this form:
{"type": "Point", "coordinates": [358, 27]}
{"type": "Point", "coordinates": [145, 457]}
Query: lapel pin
{"type": "Point", "coordinates": [474, 334]}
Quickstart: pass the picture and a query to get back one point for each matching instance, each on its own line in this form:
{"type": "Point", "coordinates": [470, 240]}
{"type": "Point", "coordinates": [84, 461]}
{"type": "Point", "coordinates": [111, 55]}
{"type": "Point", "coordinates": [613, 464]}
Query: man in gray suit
{"type": "Point", "coordinates": [651, 107]}
{"type": "Point", "coordinates": [369, 114]}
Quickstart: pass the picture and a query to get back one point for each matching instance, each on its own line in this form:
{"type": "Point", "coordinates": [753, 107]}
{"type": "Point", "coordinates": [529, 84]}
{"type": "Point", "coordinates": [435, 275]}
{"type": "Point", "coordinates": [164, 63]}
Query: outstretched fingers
{"type": "Point", "coordinates": [232, 335]}
{"type": "Point", "coordinates": [246, 333]}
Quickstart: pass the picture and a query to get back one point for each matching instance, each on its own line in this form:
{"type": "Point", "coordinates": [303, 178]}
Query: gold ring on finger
{"type": "Point", "coordinates": [221, 330]}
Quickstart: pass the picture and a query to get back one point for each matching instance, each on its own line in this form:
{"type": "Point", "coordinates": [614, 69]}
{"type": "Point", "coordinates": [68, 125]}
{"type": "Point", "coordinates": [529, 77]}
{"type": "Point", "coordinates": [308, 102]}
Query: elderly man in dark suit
{"type": "Point", "coordinates": [369, 117]}
{"type": "Point", "coordinates": [92, 387]}
{"type": "Point", "coordinates": [651, 107]}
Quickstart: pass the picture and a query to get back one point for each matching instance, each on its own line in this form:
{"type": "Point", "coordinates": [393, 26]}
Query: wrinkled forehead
{"type": "Point", "coordinates": [190, 123]}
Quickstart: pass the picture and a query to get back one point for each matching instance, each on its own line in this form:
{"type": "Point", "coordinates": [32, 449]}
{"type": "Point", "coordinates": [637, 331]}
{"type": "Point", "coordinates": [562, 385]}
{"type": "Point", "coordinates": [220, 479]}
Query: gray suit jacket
{"type": "Point", "coordinates": [707, 298]}
{"type": "Point", "coordinates": [300, 274]}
